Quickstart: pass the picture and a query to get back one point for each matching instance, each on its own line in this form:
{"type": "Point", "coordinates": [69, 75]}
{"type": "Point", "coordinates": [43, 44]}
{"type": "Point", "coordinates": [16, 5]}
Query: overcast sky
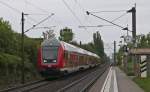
{"type": "Point", "coordinates": [39, 9]}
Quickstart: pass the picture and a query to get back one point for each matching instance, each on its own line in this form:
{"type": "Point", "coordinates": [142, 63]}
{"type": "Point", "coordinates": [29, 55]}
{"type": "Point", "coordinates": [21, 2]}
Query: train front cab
{"type": "Point", "coordinates": [50, 59]}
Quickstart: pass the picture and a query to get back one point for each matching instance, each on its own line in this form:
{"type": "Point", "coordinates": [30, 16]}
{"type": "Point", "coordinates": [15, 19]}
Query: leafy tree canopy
{"type": "Point", "coordinates": [98, 43]}
{"type": "Point", "coordinates": [66, 34]}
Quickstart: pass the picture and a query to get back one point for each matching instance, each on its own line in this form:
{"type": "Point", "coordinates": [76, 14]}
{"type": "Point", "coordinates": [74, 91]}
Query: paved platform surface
{"type": "Point", "coordinates": [115, 80]}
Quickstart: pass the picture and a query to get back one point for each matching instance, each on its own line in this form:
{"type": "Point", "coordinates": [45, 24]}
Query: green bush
{"type": "Point", "coordinates": [10, 55]}
{"type": "Point", "coordinates": [143, 83]}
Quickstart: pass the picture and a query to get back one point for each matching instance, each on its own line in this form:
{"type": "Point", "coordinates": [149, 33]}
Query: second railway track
{"type": "Point", "coordinates": [83, 84]}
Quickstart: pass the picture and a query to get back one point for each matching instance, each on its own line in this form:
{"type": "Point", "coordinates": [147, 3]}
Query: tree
{"type": "Point", "coordinates": [143, 41]}
{"type": "Point", "coordinates": [10, 57]}
{"type": "Point", "coordinates": [6, 36]}
{"type": "Point", "coordinates": [66, 34]}
{"type": "Point", "coordinates": [98, 43]}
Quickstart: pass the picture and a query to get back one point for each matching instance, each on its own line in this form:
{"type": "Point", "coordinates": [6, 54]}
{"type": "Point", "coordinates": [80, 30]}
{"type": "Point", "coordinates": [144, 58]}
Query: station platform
{"type": "Point", "coordinates": [115, 80]}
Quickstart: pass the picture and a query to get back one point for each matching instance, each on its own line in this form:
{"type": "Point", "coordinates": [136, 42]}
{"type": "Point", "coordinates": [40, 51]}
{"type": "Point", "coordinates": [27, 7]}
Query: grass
{"type": "Point", "coordinates": [130, 71]}
{"type": "Point", "coordinates": [144, 83]}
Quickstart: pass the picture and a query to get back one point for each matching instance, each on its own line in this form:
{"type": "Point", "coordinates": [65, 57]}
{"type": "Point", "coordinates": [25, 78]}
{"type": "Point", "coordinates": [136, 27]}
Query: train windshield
{"type": "Point", "coordinates": [49, 54]}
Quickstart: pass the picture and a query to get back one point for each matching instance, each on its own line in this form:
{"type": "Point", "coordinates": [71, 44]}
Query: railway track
{"type": "Point", "coordinates": [76, 83]}
{"type": "Point", "coordinates": [26, 87]}
{"type": "Point", "coordinates": [60, 83]}
{"type": "Point", "coordinates": [83, 84]}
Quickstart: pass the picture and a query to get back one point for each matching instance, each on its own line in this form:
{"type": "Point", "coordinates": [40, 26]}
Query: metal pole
{"type": "Point", "coordinates": [114, 52]}
{"type": "Point", "coordinates": [133, 11]}
{"type": "Point", "coordinates": [22, 44]}
{"type": "Point", "coordinates": [134, 35]}
{"type": "Point", "coordinates": [134, 25]}
{"type": "Point", "coordinates": [22, 49]}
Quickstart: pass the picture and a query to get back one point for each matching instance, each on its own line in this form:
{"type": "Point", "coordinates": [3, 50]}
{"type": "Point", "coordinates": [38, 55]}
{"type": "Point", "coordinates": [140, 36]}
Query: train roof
{"type": "Point", "coordinates": [51, 42]}
{"type": "Point", "coordinates": [73, 48]}
{"type": "Point", "coordinates": [67, 47]}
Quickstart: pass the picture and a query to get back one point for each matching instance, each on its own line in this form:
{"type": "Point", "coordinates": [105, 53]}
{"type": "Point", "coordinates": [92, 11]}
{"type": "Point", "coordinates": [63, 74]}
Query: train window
{"type": "Point", "coordinates": [81, 58]}
{"type": "Point", "coordinates": [69, 55]}
{"type": "Point", "coordinates": [77, 58]}
{"type": "Point", "coordinates": [66, 55]}
{"type": "Point", "coordinates": [49, 54]}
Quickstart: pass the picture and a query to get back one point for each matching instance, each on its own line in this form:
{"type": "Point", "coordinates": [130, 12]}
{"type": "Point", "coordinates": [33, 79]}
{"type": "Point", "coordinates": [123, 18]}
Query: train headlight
{"type": "Point", "coordinates": [54, 61]}
{"type": "Point", "coordinates": [45, 61]}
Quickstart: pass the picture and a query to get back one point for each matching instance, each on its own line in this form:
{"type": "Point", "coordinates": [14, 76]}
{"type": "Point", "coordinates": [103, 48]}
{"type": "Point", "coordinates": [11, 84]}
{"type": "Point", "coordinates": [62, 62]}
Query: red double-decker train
{"type": "Point", "coordinates": [58, 57]}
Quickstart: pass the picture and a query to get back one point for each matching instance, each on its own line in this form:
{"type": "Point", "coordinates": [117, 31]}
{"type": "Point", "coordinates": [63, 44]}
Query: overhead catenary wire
{"type": "Point", "coordinates": [44, 27]}
{"type": "Point", "coordinates": [110, 11]}
{"type": "Point", "coordinates": [73, 13]}
{"type": "Point", "coordinates": [12, 8]}
{"type": "Point", "coordinates": [38, 8]}
{"type": "Point", "coordinates": [106, 11]}
{"type": "Point", "coordinates": [84, 10]}
{"type": "Point", "coordinates": [37, 14]}
{"type": "Point", "coordinates": [80, 5]}
{"type": "Point", "coordinates": [32, 19]}
{"type": "Point", "coordinates": [93, 26]}
{"type": "Point", "coordinates": [35, 6]}
{"type": "Point", "coordinates": [15, 10]}
{"type": "Point", "coordinates": [41, 9]}
{"type": "Point", "coordinates": [119, 17]}
{"type": "Point", "coordinates": [19, 12]}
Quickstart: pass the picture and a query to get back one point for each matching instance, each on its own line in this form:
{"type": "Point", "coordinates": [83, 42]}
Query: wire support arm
{"type": "Point", "coordinates": [39, 23]}
{"type": "Point", "coordinates": [88, 13]}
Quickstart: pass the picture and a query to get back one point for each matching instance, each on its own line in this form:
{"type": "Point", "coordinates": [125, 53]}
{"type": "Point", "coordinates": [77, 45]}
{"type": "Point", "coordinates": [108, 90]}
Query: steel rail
{"type": "Point", "coordinates": [88, 86]}
{"type": "Point", "coordinates": [22, 86]}
{"type": "Point", "coordinates": [82, 79]}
